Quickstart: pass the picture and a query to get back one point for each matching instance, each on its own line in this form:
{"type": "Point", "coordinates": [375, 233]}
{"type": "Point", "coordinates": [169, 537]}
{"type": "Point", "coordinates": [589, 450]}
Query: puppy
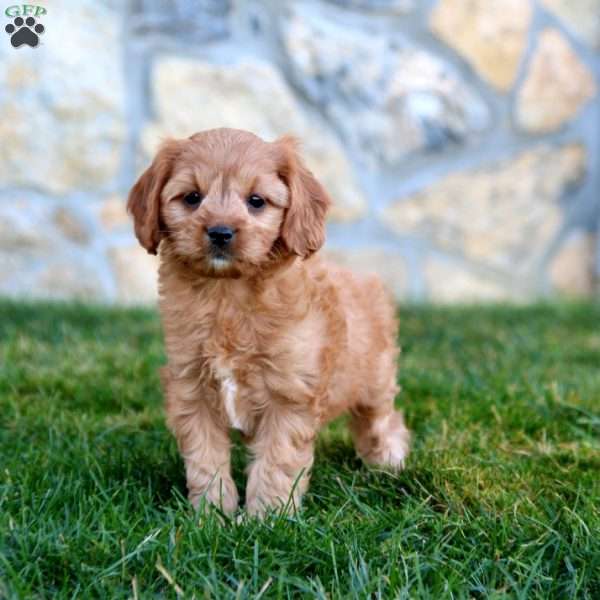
{"type": "Point", "coordinates": [261, 335]}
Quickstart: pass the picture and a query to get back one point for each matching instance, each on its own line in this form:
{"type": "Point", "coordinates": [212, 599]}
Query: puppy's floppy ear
{"type": "Point", "coordinates": [144, 198]}
{"type": "Point", "coordinates": [303, 229]}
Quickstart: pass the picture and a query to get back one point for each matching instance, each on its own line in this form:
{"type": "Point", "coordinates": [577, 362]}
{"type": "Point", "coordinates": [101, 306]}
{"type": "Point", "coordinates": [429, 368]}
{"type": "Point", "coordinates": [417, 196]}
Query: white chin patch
{"type": "Point", "coordinates": [219, 263]}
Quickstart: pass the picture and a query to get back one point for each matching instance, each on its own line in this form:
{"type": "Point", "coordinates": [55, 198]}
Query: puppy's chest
{"type": "Point", "coordinates": [230, 350]}
{"type": "Point", "coordinates": [233, 403]}
{"type": "Point", "coordinates": [250, 365]}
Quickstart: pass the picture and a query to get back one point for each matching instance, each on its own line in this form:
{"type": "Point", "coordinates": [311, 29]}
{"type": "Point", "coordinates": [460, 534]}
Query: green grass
{"type": "Point", "coordinates": [501, 496]}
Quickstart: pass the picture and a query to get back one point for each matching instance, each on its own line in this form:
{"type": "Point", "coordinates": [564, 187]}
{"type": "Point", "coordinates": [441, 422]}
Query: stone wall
{"type": "Point", "coordinates": [460, 139]}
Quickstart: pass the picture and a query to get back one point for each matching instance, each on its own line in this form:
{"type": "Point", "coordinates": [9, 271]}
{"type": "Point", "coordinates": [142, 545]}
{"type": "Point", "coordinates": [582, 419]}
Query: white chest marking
{"type": "Point", "coordinates": [229, 393]}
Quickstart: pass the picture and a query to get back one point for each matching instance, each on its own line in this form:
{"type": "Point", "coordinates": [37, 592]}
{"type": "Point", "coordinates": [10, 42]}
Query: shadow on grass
{"type": "Point", "coordinates": [150, 461]}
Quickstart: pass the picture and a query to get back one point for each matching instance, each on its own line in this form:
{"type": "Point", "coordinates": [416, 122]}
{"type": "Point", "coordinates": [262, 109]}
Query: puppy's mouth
{"type": "Point", "coordinates": [220, 261]}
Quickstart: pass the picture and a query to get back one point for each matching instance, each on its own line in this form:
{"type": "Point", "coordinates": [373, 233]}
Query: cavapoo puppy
{"type": "Point", "coordinates": [261, 335]}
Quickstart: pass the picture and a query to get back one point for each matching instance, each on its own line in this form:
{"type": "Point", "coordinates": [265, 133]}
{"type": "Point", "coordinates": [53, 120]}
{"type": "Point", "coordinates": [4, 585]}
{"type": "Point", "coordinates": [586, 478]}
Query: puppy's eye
{"type": "Point", "coordinates": [256, 201]}
{"type": "Point", "coordinates": [192, 199]}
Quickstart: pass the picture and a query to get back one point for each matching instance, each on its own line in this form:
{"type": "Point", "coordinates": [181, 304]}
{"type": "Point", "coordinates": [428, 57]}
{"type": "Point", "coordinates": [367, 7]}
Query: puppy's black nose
{"type": "Point", "coordinates": [220, 235]}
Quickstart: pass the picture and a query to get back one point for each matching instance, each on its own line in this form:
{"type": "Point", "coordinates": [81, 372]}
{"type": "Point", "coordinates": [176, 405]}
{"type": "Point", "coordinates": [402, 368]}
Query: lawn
{"type": "Point", "coordinates": [500, 498]}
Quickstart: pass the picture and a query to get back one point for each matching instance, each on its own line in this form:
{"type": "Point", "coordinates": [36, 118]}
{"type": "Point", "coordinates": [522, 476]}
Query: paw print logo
{"type": "Point", "coordinates": [24, 32]}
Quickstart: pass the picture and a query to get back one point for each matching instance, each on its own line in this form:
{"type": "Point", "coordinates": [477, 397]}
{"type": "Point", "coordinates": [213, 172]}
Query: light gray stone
{"type": "Point", "coordinates": [582, 17]}
{"type": "Point", "coordinates": [387, 97]}
{"type": "Point", "coordinates": [62, 103]}
{"type": "Point", "coordinates": [449, 281]}
{"type": "Point", "coordinates": [111, 211]}
{"type": "Point", "coordinates": [571, 269]}
{"type": "Point", "coordinates": [556, 86]}
{"type": "Point", "coordinates": [503, 215]}
{"type": "Point", "coordinates": [389, 265]}
{"type": "Point", "coordinates": [43, 251]}
{"type": "Point", "coordinates": [377, 6]}
{"type": "Point", "coordinates": [14, 279]}
{"type": "Point", "coordinates": [26, 227]}
{"type": "Point", "coordinates": [69, 277]}
{"type": "Point", "coordinates": [136, 274]}
{"type": "Point", "coordinates": [191, 22]}
{"type": "Point", "coordinates": [193, 95]}
{"type": "Point", "coordinates": [70, 225]}
{"type": "Point", "coordinates": [490, 35]}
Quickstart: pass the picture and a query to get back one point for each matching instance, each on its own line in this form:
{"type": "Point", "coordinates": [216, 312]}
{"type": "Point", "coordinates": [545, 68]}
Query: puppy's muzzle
{"type": "Point", "coordinates": [220, 236]}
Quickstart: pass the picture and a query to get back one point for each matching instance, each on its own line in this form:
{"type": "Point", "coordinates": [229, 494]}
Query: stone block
{"type": "Point", "coordinates": [388, 264]}
{"type": "Point", "coordinates": [503, 215]}
{"type": "Point", "coordinates": [490, 35]}
{"type": "Point", "coordinates": [387, 97]}
{"type": "Point", "coordinates": [571, 269]}
{"type": "Point", "coordinates": [556, 86]}
{"type": "Point", "coordinates": [62, 103]}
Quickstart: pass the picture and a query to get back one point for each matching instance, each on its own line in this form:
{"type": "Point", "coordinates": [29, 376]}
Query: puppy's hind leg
{"type": "Point", "coordinates": [380, 435]}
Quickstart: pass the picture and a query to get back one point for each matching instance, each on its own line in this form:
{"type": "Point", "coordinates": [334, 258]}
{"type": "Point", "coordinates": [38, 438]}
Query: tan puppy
{"type": "Point", "coordinates": [261, 336]}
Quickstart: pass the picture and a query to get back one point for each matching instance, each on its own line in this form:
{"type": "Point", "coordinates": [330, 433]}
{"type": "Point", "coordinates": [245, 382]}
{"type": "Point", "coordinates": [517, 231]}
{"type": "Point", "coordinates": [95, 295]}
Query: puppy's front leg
{"type": "Point", "coordinates": [203, 442]}
{"type": "Point", "coordinates": [283, 449]}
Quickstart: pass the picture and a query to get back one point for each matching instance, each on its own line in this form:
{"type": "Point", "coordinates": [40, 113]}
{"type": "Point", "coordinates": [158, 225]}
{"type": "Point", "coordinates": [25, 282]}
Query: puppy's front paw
{"type": "Point", "coordinates": [224, 496]}
{"type": "Point", "coordinates": [261, 506]}
{"type": "Point", "coordinates": [256, 508]}
{"type": "Point", "coordinates": [259, 509]}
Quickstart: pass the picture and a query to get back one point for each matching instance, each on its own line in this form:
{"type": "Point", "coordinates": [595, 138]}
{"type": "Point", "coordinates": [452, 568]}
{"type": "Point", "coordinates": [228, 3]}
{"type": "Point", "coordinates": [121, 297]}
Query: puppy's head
{"type": "Point", "coordinates": [227, 204]}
